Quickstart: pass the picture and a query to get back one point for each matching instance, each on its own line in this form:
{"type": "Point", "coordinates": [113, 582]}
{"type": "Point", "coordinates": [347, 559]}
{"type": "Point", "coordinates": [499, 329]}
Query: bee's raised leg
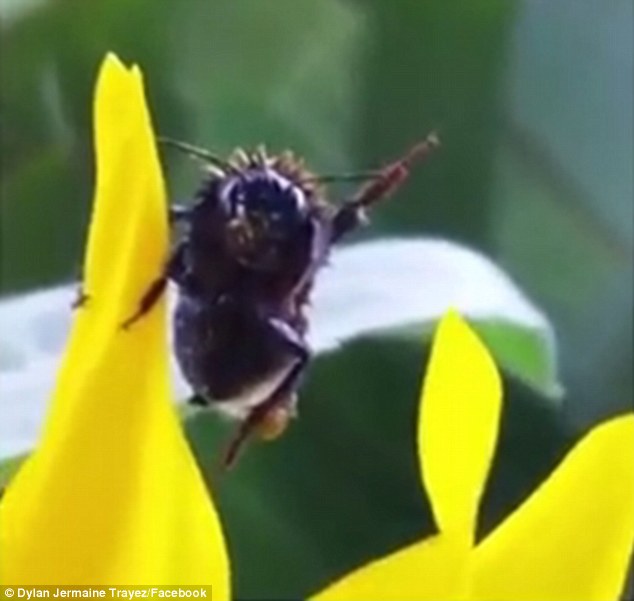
{"type": "Point", "coordinates": [353, 213]}
{"type": "Point", "coordinates": [348, 218]}
{"type": "Point", "coordinates": [174, 270]}
{"type": "Point", "coordinates": [284, 393]}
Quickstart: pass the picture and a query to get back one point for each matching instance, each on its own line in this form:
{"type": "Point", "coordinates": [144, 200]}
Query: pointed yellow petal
{"type": "Point", "coordinates": [457, 432]}
{"type": "Point", "coordinates": [112, 494]}
{"type": "Point", "coordinates": [573, 538]}
{"type": "Point", "coordinates": [458, 425]}
{"type": "Point", "coordinates": [430, 570]}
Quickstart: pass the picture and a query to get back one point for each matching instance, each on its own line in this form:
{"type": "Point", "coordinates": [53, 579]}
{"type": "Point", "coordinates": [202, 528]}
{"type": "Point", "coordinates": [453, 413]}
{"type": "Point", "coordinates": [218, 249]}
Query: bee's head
{"type": "Point", "coordinates": [263, 210]}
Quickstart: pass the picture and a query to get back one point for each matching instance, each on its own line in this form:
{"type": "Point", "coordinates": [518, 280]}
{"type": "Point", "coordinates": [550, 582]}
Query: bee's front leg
{"type": "Point", "coordinates": [283, 394]}
{"type": "Point", "coordinates": [353, 213]}
{"type": "Point", "coordinates": [175, 269]}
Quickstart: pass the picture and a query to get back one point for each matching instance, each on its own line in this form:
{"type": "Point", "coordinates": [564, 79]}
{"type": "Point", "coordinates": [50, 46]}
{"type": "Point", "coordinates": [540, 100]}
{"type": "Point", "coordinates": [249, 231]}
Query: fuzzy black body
{"type": "Point", "coordinates": [225, 350]}
{"type": "Point", "coordinates": [253, 241]}
{"type": "Point", "coordinates": [240, 321]}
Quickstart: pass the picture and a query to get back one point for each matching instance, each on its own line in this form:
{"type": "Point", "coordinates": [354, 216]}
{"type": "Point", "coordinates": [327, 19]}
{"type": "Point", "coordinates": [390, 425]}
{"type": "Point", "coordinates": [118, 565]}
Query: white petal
{"type": "Point", "coordinates": [33, 332]}
{"type": "Point", "coordinates": [382, 285]}
{"type": "Point", "coordinates": [369, 287]}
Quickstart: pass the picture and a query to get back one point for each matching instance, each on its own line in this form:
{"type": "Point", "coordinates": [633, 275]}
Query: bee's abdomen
{"type": "Point", "coordinates": [223, 349]}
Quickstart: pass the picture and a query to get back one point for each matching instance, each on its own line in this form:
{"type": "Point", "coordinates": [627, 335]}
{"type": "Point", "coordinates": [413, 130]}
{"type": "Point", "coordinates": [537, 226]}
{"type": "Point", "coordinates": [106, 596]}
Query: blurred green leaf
{"type": "Point", "coordinates": [526, 353]}
{"type": "Point", "coordinates": [15, 10]}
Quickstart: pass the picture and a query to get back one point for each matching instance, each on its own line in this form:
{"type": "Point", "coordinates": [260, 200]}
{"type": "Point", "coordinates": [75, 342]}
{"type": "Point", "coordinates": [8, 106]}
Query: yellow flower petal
{"type": "Point", "coordinates": [570, 541]}
{"type": "Point", "coordinates": [428, 570]}
{"type": "Point", "coordinates": [458, 426]}
{"type": "Point", "coordinates": [112, 494]}
{"type": "Point", "coordinates": [457, 432]}
{"type": "Point", "coordinates": [573, 538]}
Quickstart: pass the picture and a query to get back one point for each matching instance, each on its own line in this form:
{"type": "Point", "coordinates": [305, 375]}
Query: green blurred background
{"type": "Point", "coordinates": [534, 104]}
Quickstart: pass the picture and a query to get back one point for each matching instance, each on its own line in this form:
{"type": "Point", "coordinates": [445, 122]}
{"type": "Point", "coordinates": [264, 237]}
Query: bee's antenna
{"type": "Point", "coordinates": [343, 177]}
{"type": "Point", "coordinates": [198, 153]}
{"type": "Point", "coordinates": [416, 153]}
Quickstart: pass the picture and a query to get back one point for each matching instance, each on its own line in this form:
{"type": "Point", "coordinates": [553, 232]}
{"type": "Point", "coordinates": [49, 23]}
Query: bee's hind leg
{"type": "Point", "coordinates": [284, 393]}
